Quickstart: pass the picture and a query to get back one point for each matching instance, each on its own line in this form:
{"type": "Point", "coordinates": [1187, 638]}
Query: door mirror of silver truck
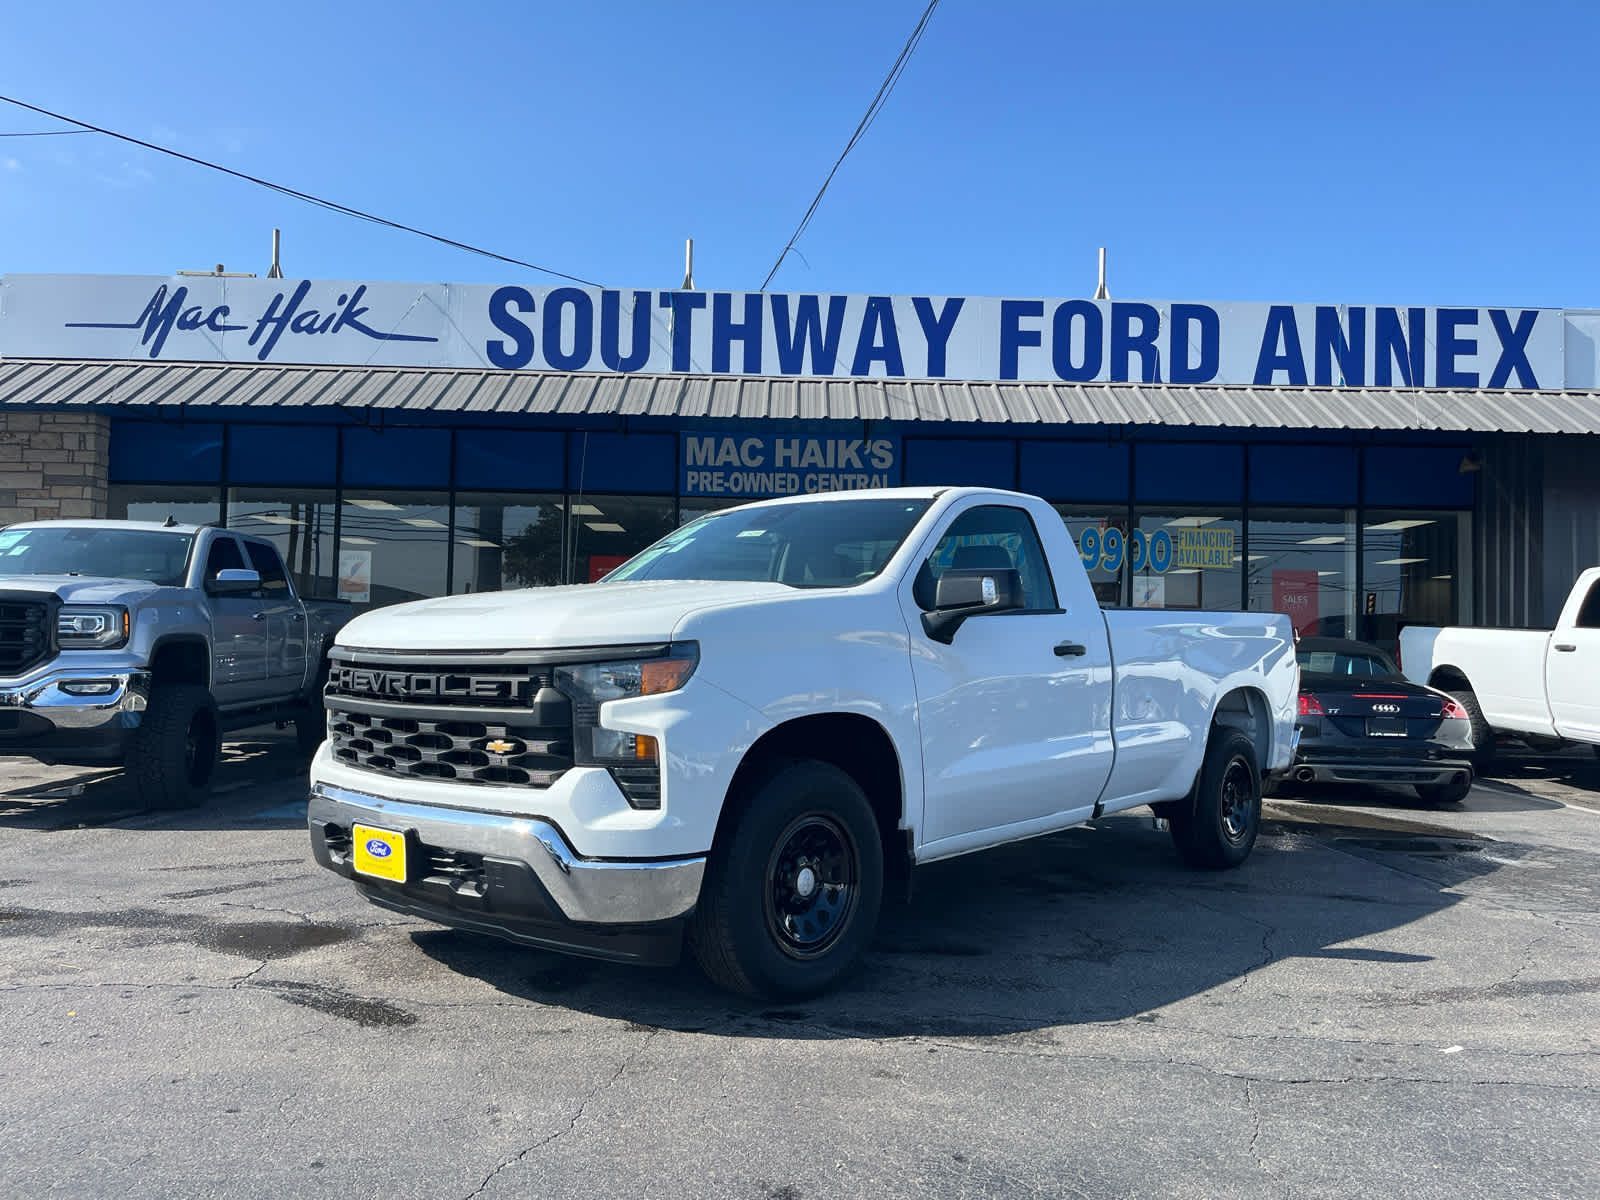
{"type": "Point", "coordinates": [963, 593]}
{"type": "Point", "coordinates": [234, 581]}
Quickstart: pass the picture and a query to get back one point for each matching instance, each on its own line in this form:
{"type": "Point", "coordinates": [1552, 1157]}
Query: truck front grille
{"type": "Point", "coordinates": [25, 630]}
{"type": "Point", "coordinates": [498, 726]}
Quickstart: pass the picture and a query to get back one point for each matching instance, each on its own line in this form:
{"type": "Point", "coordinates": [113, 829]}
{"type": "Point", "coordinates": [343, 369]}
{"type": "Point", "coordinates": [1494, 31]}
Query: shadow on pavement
{"type": "Point", "coordinates": [1099, 923]}
{"type": "Point", "coordinates": [1404, 802]}
{"type": "Point", "coordinates": [52, 798]}
{"type": "Point", "coordinates": [1576, 768]}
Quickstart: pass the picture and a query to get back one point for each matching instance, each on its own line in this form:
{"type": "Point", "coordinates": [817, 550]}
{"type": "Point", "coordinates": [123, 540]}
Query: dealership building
{"type": "Point", "coordinates": [1359, 467]}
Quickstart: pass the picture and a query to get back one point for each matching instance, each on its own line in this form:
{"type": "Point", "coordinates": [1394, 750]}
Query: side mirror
{"type": "Point", "coordinates": [232, 581]}
{"type": "Point", "coordinates": [971, 592]}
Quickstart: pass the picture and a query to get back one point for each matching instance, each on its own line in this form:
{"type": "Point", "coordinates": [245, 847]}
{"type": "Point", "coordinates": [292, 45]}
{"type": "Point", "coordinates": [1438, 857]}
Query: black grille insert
{"type": "Point", "coordinates": [25, 634]}
{"type": "Point", "coordinates": [468, 751]}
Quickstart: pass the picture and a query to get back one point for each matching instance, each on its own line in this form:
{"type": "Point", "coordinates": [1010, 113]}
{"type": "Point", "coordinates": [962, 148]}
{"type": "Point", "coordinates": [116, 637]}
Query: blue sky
{"type": "Point", "coordinates": [1363, 152]}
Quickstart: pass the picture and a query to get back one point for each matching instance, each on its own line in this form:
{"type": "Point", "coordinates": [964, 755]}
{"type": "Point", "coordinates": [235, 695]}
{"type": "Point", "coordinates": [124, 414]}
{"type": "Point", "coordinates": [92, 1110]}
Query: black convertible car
{"type": "Point", "coordinates": [1361, 721]}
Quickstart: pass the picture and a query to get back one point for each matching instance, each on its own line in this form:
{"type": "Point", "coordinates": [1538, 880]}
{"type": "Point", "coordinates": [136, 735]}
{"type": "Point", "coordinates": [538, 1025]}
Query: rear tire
{"type": "Point", "coordinates": [173, 753]}
{"type": "Point", "coordinates": [1482, 735]}
{"type": "Point", "coordinates": [1437, 795]}
{"type": "Point", "coordinates": [792, 891]}
{"type": "Point", "coordinates": [310, 728]}
{"type": "Point", "coordinates": [1217, 827]}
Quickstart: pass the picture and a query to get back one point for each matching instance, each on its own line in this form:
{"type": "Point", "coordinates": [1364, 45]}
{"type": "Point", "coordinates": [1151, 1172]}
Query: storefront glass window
{"type": "Point", "coordinates": [606, 531]}
{"type": "Point", "coordinates": [1413, 569]}
{"type": "Point", "coordinates": [1102, 541]}
{"type": "Point", "coordinates": [1302, 563]}
{"type": "Point", "coordinates": [1189, 558]}
{"type": "Point", "coordinates": [300, 523]}
{"type": "Point", "coordinates": [157, 502]}
{"type": "Point", "coordinates": [393, 546]}
{"type": "Point", "coordinates": [692, 508]}
{"type": "Point", "coordinates": [506, 541]}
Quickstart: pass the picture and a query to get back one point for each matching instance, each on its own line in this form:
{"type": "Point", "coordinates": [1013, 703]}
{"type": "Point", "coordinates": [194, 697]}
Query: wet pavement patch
{"type": "Point", "coordinates": [247, 939]}
{"type": "Point", "coordinates": [368, 1013]}
{"type": "Point", "coordinates": [1405, 845]}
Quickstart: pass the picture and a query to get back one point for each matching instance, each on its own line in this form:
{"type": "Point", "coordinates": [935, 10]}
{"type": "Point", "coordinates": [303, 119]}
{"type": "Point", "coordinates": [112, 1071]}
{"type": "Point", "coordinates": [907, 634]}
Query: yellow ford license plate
{"type": "Point", "coordinates": [380, 853]}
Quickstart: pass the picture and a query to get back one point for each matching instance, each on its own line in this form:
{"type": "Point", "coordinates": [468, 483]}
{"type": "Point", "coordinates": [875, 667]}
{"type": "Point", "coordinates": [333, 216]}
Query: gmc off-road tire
{"type": "Point", "coordinates": [792, 890]}
{"type": "Point", "coordinates": [1216, 828]}
{"type": "Point", "coordinates": [173, 753]}
{"type": "Point", "coordinates": [1482, 735]}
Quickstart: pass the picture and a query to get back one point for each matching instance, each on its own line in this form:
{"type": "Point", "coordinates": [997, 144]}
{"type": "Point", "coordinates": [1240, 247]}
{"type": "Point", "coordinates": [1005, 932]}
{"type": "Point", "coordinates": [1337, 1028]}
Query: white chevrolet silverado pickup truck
{"type": "Point", "coordinates": [743, 732]}
{"type": "Point", "coordinates": [1540, 685]}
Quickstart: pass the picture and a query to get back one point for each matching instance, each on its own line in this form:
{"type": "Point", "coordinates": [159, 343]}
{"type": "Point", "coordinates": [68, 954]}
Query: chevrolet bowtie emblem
{"type": "Point", "coordinates": [499, 746]}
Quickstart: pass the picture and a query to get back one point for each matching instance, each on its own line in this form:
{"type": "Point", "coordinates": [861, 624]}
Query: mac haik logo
{"type": "Point", "coordinates": [286, 314]}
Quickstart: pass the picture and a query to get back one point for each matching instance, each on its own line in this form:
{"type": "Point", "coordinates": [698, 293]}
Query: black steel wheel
{"type": "Point", "coordinates": [1216, 826]}
{"type": "Point", "coordinates": [793, 885]}
{"type": "Point", "coordinates": [813, 879]}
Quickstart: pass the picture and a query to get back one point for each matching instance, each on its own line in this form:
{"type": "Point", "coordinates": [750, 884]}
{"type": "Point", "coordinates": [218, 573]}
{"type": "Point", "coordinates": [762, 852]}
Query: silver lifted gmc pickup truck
{"type": "Point", "coordinates": [133, 643]}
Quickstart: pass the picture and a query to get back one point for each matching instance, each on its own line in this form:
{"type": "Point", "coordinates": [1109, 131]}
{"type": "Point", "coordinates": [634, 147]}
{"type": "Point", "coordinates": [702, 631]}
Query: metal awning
{"type": "Point", "coordinates": [43, 383]}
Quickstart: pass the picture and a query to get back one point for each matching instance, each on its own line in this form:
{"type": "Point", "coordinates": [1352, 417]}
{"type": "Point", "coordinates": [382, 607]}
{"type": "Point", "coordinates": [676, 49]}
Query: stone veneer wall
{"type": "Point", "coordinates": [53, 464]}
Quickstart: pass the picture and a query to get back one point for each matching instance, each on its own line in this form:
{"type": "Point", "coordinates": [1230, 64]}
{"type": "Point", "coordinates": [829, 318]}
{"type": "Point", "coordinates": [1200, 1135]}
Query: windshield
{"type": "Point", "coordinates": [1352, 663]}
{"type": "Point", "coordinates": [837, 544]}
{"type": "Point", "coordinates": [96, 551]}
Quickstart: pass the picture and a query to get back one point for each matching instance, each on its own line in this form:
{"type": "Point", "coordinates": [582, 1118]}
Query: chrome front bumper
{"type": "Point", "coordinates": [584, 891]}
{"type": "Point", "coordinates": [46, 696]}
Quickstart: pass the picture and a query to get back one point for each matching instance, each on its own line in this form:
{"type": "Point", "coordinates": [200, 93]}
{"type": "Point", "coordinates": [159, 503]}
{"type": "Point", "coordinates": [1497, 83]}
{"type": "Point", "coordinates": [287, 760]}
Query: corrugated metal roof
{"type": "Point", "coordinates": [48, 382]}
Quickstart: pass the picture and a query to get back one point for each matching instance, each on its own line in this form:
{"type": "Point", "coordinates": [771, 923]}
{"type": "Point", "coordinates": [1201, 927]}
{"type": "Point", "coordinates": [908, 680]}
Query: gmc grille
{"type": "Point", "coordinates": [25, 635]}
{"type": "Point", "coordinates": [455, 727]}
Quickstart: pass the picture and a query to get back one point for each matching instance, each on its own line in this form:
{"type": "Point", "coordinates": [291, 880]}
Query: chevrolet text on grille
{"type": "Point", "coordinates": [408, 684]}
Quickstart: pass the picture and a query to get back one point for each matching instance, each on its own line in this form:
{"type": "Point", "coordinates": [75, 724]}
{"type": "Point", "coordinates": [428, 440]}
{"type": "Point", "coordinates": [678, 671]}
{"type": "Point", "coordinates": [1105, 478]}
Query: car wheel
{"type": "Point", "coordinates": [792, 892]}
{"type": "Point", "coordinates": [173, 753]}
{"type": "Point", "coordinates": [1439, 794]}
{"type": "Point", "coordinates": [1482, 735]}
{"type": "Point", "coordinates": [1218, 829]}
{"type": "Point", "coordinates": [310, 728]}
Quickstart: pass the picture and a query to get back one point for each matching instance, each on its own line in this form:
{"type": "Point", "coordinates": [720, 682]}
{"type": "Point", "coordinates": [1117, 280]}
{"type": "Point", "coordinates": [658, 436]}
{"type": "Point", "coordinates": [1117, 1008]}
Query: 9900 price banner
{"type": "Point", "coordinates": [1107, 549]}
{"type": "Point", "coordinates": [1158, 552]}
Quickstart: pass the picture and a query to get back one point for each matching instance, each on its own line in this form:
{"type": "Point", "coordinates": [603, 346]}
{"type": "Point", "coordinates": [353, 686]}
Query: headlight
{"type": "Point", "coordinates": [634, 759]}
{"type": "Point", "coordinates": [86, 627]}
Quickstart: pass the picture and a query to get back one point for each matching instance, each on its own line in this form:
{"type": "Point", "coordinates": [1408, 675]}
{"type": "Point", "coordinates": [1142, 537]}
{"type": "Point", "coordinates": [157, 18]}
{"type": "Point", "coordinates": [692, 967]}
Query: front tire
{"type": "Point", "coordinates": [1218, 829]}
{"type": "Point", "coordinates": [173, 753]}
{"type": "Point", "coordinates": [792, 892]}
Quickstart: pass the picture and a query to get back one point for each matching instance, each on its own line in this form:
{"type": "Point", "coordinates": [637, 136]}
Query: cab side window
{"type": "Point", "coordinates": [991, 537]}
{"type": "Point", "coordinates": [223, 556]}
{"type": "Point", "coordinates": [1589, 614]}
{"type": "Point", "coordinates": [267, 564]}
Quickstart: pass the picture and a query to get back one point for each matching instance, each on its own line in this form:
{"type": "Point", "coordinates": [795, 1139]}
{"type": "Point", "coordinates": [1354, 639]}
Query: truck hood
{"type": "Point", "coordinates": [596, 614]}
{"type": "Point", "coordinates": [80, 589]}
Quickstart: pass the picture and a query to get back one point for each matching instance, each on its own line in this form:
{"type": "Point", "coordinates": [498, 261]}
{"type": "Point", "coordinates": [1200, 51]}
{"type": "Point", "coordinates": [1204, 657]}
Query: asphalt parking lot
{"type": "Point", "coordinates": [1386, 1000]}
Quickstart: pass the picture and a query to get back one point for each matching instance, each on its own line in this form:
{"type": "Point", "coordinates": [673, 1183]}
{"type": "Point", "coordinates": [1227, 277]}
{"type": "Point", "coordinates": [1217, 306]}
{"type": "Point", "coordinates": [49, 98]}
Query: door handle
{"type": "Point", "coordinates": [1565, 647]}
{"type": "Point", "coordinates": [1070, 650]}
{"type": "Point", "coordinates": [258, 616]}
{"type": "Point", "coordinates": [297, 617]}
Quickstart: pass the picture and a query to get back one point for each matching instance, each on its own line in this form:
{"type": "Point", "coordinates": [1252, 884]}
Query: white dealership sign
{"type": "Point", "coordinates": [795, 334]}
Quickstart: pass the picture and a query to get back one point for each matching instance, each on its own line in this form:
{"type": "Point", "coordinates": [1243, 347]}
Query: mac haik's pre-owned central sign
{"type": "Point", "coordinates": [796, 334]}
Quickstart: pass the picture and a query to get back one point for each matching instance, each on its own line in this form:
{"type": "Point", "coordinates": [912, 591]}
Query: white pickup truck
{"type": "Point", "coordinates": [749, 728]}
{"type": "Point", "coordinates": [1540, 685]}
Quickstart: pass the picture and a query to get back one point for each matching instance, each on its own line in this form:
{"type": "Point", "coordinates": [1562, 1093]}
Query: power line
{"type": "Point", "coordinates": [47, 133]}
{"type": "Point", "coordinates": [294, 193]}
{"type": "Point", "coordinates": [871, 115]}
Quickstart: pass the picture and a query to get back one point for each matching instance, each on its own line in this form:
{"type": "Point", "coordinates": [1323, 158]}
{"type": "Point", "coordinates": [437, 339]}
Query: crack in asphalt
{"type": "Point", "coordinates": [1255, 1130]}
{"type": "Point", "coordinates": [572, 1123]}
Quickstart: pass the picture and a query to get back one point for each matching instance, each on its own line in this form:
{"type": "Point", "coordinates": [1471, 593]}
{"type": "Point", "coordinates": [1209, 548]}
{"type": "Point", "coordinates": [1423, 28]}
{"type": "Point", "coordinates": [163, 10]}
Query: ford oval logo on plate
{"type": "Point", "coordinates": [379, 848]}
